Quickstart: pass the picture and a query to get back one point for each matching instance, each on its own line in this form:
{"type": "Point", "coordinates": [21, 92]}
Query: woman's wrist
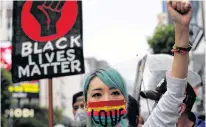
{"type": "Point", "coordinates": [181, 35]}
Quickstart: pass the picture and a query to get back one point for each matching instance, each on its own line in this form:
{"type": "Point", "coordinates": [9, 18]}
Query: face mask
{"type": "Point", "coordinates": [80, 116]}
{"type": "Point", "coordinates": [107, 113]}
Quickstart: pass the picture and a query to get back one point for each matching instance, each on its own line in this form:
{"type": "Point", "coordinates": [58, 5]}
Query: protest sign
{"type": "Point", "coordinates": [47, 39]}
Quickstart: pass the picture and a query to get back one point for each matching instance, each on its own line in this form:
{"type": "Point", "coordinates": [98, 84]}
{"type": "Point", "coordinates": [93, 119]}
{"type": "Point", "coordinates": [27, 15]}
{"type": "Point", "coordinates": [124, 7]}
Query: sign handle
{"type": "Point", "coordinates": [50, 120]}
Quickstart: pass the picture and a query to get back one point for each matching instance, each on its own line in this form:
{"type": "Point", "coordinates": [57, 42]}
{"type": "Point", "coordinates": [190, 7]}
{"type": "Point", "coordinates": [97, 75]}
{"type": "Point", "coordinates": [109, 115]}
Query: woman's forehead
{"type": "Point", "coordinates": [96, 83]}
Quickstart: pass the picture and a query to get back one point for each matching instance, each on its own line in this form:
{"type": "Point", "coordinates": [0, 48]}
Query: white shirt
{"type": "Point", "coordinates": [166, 113]}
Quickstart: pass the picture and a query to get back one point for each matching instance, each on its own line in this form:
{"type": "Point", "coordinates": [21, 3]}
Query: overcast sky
{"type": "Point", "coordinates": [116, 30]}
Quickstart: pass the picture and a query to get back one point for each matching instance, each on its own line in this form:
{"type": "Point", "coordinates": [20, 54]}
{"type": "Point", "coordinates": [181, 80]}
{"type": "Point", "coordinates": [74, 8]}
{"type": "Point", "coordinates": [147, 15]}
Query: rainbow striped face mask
{"type": "Point", "coordinates": [107, 113]}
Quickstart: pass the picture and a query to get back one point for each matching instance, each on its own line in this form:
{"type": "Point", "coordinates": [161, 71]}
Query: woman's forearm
{"type": "Point", "coordinates": [180, 62]}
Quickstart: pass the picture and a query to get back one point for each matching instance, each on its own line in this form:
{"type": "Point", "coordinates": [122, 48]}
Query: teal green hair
{"type": "Point", "coordinates": [112, 79]}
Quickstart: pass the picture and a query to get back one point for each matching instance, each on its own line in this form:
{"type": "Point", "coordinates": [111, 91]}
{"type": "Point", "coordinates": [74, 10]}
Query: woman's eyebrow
{"type": "Point", "coordinates": [112, 88]}
{"type": "Point", "coordinates": [99, 89]}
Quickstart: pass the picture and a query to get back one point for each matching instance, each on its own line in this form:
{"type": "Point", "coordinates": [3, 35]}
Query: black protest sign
{"type": "Point", "coordinates": [47, 39]}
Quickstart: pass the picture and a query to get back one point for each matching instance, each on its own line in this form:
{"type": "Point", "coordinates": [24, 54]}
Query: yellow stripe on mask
{"type": "Point", "coordinates": [106, 108]}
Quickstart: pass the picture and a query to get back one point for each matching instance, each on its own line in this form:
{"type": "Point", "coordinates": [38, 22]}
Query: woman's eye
{"type": "Point", "coordinates": [96, 95]}
{"type": "Point", "coordinates": [116, 93]}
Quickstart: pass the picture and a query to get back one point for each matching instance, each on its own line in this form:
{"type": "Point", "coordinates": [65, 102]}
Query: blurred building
{"type": "Point", "coordinates": [199, 51]}
{"type": "Point", "coordinates": [162, 18]}
{"type": "Point", "coordinates": [6, 20]}
{"type": "Point", "coordinates": [65, 87]}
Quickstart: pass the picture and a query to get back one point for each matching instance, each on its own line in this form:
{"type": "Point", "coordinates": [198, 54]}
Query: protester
{"type": "Point", "coordinates": [188, 118]}
{"type": "Point", "coordinates": [78, 109]}
{"type": "Point", "coordinates": [132, 111]}
{"type": "Point", "coordinates": [78, 112]}
{"type": "Point", "coordinates": [77, 102]}
{"type": "Point", "coordinates": [106, 95]}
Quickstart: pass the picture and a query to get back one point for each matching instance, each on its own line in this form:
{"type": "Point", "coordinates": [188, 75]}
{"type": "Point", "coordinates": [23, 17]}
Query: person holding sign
{"type": "Point", "coordinates": [105, 92]}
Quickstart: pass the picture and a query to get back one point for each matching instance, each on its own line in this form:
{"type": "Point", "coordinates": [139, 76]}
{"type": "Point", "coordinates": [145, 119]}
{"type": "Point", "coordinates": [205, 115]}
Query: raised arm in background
{"type": "Point", "coordinates": [181, 22]}
{"type": "Point", "coordinates": [167, 111]}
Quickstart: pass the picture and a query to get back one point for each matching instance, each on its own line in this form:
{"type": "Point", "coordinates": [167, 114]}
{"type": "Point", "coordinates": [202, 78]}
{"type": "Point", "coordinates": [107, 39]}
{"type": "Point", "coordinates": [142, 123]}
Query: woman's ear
{"type": "Point", "coordinates": [182, 108]}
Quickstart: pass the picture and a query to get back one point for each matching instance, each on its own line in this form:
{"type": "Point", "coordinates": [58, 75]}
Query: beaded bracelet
{"type": "Point", "coordinates": [181, 50]}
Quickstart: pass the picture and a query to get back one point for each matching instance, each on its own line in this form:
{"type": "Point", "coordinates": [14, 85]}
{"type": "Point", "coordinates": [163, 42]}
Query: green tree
{"type": "Point", "coordinates": [5, 95]}
{"type": "Point", "coordinates": [163, 39]}
{"type": "Point", "coordinates": [58, 115]}
{"type": "Point", "coordinates": [29, 122]}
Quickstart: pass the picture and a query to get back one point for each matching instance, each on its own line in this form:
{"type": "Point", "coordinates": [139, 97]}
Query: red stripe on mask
{"type": "Point", "coordinates": [106, 103]}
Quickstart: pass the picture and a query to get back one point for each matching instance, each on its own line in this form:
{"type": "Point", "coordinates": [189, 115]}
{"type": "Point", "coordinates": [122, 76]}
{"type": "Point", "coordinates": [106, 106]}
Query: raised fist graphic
{"type": "Point", "coordinates": [47, 13]}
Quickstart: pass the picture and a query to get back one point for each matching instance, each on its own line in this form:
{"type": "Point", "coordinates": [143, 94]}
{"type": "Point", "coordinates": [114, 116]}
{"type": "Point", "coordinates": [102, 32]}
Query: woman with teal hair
{"type": "Point", "coordinates": [105, 91]}
{"type": "Point", "coordinates": [106, 86]}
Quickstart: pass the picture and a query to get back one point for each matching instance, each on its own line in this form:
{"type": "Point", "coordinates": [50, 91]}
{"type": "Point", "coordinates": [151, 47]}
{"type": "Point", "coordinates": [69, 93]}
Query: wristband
{"type": "Point", "coordinates": [181, 49]}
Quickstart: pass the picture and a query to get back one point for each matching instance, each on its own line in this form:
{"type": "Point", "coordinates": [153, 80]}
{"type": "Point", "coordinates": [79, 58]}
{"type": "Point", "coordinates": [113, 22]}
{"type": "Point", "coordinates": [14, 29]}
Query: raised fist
{"type": "Point", "coordinates": [47, 13]}
{"type": "Point", "coordinates": [180, 11]}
